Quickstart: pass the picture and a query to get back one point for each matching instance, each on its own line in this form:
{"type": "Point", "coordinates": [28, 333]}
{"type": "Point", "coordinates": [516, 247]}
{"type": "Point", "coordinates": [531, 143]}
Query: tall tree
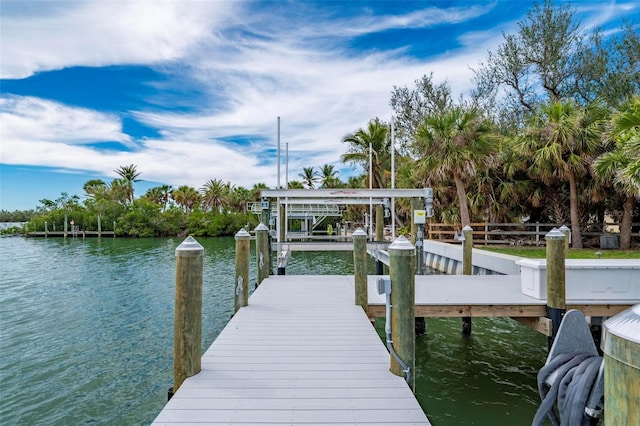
{"type": "Point", "coordinates": [454, 144]}
{"type": "Point", "coordinates": [536, 64]}
{"type": "Point", "coordinates": [309, 177]}
{"type": "Point", "coordinates": [622, 164]}
{"type": "Point", "coordinates": [186, 197]}
{"type": "Point", "coordinates": [93, 186]}
{"type": "Point", "coordinates": [120, 191]}
{"type": "Point", "coordinates": [329, 176]}
{"type": "Point", "coordinates": [129, 174]}
{"type": "Point", "coordinates": [372, 140]}
{"type": "Point", "coordinates": [256, 190]}
{"type": "Point", "coordinates": [562, 141]}
{"type": "Point", "coordinates": [215, 194]}
{"type": "Point", "coordinates": [412, 105]}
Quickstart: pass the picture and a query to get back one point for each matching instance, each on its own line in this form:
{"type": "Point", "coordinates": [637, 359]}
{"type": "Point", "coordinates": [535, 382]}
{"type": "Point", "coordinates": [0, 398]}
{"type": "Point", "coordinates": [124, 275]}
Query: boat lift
{"type": "Point", "coordinates": [304, 203]}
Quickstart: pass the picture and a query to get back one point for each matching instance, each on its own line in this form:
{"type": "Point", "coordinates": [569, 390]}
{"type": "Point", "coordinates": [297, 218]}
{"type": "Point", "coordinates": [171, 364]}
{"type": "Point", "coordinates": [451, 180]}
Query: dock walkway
{"type": "Point", "coordinates": [301, 353]}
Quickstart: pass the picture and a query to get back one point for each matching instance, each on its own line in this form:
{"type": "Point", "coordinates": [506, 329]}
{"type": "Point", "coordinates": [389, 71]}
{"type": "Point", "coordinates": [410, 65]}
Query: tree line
{"type": "Point", "coordinates": [550, 133]}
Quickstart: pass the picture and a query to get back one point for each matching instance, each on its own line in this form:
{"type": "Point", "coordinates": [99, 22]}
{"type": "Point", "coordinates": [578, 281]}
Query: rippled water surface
{"type": "Point", "coordinates": [86, 335]}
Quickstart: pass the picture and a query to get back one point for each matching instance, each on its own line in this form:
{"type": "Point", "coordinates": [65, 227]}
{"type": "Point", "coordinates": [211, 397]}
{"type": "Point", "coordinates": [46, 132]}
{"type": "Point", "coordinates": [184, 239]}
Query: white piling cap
{"type": "Point", "coordinates": [242, 233]}
{"type": "Point", "coordinates": [359, 233]}
{"type": "Point", "coordinates": [564, 228]}
{"type": "Point", "coordinates": [554, 234]}
{"type": "Point", "coordinates": [401, 243]}
{"type": "Point", "coordinates": [189, 244]}
{"type": "Point", "coordinates": [262, 227]}
{"type": "Point", "coordinates": [467, 228]}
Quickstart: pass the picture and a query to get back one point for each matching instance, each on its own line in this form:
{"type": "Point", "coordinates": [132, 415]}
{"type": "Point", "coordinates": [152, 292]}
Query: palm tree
{"type": "Point", "coordinates": [562, 141]}
{"type": "Point", "coordinates": [309, 176]}
{"type": "Point", "coordinates": [119, 191]}
{"type": "Point", "coordinates": [295, 184]}
{"type": "Point", "coordinates": [129, 174]}
{"type": "Point", "coordinates": [166, 195]}
{"type": "Point", "coordinates": [454, 144]}
{"type": "Point", "coordinates": [186, 197]}
{"type": "Point", "coordinates": [328, 177]}
{"type": "Point", "coordinates": [622, 165]}
{"type": "Point", "coordinates": [256, 190]}
{"type": "Point", "coordinates": [215, 194]}
{"type": "Point", "coordinates": [374, 138]}
{"type": "Point", "coordinates": [157, 195]}
{"type": "Point", "coordinates": [93, 186]}
{"type": "Point", "coordinates": [239, 197]}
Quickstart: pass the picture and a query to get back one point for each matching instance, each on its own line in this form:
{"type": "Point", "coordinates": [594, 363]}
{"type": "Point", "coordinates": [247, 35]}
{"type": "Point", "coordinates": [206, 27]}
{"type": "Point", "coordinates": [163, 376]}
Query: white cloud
{"type": "Point", "coordinates": [32, 118]}
{"type": "Point", "coordinates": [99, 33]}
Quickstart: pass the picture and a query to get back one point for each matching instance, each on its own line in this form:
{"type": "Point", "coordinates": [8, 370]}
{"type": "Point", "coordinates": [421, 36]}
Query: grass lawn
{"type": "Point", "coordinates": [540, 252]}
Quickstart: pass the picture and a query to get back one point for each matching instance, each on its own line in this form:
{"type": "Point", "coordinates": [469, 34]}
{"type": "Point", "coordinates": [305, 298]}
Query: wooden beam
{"type": "Point", "coordinates": [513, 311]}
{"type": "Point", "coordinates": [539, 324]}
{"type": "Point", "coordinates": [600, 310]}
{"type": "Point", "coordinates": [469, 310]}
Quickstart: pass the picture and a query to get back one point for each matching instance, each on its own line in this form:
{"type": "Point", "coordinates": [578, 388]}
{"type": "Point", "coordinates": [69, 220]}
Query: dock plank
{"type": "Point", "coordinates": [301, 353]}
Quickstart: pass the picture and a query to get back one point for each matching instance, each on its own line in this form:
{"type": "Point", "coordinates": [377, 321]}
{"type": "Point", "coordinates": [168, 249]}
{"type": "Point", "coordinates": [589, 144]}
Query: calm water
{"type": "Point", "coordinates": [86, 335]}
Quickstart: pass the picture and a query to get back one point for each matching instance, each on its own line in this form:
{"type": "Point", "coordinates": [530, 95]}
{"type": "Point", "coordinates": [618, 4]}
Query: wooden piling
{"type": "Point", "coordinates": [187, 342]}
{"type": "Point", "coordinates": [241, 282]}
{"type": "Point", "coordinates": [402, 256]}
{"type": "Point", "coordinates": [467, 269]}
{"type": "Point", "coordinates": [262, 252]}
{"type": "Point", "coordinates": [621, 347]}
{"type": "Point", "coordinates": [379, 222]}
{"type": "Point", "coordinates": [556, 293]}
{"type": "Point", "coordinates": [360, 268]}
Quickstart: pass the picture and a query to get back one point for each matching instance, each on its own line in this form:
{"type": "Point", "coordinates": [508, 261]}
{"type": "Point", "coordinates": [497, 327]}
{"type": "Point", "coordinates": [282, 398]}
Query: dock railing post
{"type": "Point", "coordinates": [467, 268]}
{"type": "Point", "coordinates": [187, 341]}
{"type": "Point", "coordinates": [262, 252]}
{"type": "Point", "coordinates": [241, 282]}
{"type": "Point", "coordinates": [556, 293]}
{"type": "Point", "coordinates": [360, 268]}
{"type": "Point", "coordinates": [402, 258]}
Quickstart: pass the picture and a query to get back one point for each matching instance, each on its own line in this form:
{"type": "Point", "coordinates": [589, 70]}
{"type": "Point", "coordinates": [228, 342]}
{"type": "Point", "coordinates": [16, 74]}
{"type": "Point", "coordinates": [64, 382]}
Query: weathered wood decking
{"type": "Point", "coordinates": [301, 353]}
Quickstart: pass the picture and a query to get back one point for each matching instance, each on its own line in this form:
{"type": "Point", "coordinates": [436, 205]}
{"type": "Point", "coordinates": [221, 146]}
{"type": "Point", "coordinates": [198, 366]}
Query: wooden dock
{"type": "Point", "coordinates": [483, 296]}
{"type": "Point", "coordinates": [301, 353]}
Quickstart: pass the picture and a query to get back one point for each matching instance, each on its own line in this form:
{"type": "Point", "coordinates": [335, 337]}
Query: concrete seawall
{"type": "Point", "coordinates": [447, 258]}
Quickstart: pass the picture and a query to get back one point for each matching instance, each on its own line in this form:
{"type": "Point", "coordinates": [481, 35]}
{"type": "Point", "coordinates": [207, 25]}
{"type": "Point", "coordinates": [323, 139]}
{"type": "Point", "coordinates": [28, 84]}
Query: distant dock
{"type": "Point", "coordinates": [70, 234]}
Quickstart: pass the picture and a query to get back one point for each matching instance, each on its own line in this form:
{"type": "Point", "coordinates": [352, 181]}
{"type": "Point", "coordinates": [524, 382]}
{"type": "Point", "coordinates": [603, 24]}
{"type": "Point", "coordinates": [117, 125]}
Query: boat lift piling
{"type": "Point", "coordinates": [467, 269]}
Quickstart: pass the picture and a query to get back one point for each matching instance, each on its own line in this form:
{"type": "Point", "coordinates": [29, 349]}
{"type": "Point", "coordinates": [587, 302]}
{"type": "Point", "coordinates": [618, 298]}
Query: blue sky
{"type": "Point", "coordinates": [191, 90]}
